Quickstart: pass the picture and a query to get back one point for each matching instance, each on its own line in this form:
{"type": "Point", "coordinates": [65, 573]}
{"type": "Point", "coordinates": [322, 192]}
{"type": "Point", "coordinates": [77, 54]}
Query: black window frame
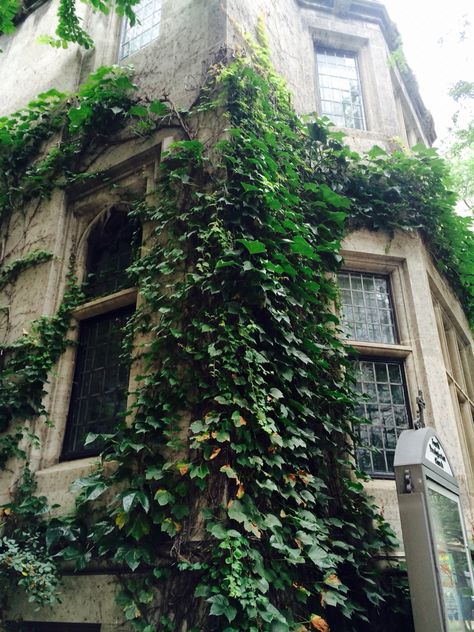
{"type": "Point", "coordinates": [26, 8]}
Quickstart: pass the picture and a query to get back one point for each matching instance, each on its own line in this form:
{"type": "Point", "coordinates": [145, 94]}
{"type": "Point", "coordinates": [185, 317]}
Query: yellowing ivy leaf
{"type": "Point", "coordinates": [332, 580]}
{"type": "Point", "coordinates": [120, 519]}
{"type": "Point", "coordinates": [318, 623]}
{"type": "Point", "coordinates": [214, 453]}
{"type": "Point", "coordinates": [183, 468]}
{"type": "Point", "coordinates": [227, 469]}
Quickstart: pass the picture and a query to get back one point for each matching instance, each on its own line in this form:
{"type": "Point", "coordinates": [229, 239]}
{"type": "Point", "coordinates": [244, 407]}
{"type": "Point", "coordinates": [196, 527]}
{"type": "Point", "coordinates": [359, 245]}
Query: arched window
{"type": "Point", "coordinates": [101, 372]}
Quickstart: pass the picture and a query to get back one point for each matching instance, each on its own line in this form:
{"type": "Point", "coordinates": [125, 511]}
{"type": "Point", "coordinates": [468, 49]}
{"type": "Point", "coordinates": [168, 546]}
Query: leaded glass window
{"type": "Point", "coordinates": [100, 384]}
{"type": "Point", "coordinates": [385, 406]}
{"type": "Point", "coordinates": [367, 313]}
{"type": "Point", "coordinates": [101, 373]}
{"type": "Point", "coordinates": [339, 88]}
{"type": "Point", "coordinates": [111, 247]}
{"type": "Point", "coordinates": [145, 29]}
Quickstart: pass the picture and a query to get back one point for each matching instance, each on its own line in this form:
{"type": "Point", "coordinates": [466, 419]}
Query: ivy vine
{"type": "Point", "coordinates": [69, 29]}
{"type": "Point", "coordinates": [9, 273]}
{"type": "Point", "coordinates": [235, 482]}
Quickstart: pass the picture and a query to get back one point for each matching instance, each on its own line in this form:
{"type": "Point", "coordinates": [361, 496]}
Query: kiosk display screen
{"type": "Point", "coordinates": [452, 560]}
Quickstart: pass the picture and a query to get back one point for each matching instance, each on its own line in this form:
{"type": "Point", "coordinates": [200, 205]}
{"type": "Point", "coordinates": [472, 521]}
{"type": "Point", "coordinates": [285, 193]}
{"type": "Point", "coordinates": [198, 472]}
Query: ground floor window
{"type": "Point", "coordinates": [44, 626]}
{"type": "Point", "coordinates": [384, 405]}
{"type": "Point", "coordinates": [99, 392]}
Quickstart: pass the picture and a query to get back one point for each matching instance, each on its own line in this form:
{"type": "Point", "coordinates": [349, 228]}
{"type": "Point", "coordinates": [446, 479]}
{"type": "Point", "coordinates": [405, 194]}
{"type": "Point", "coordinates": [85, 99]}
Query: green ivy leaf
{"type": "Point", "coordinates": [254, 247]}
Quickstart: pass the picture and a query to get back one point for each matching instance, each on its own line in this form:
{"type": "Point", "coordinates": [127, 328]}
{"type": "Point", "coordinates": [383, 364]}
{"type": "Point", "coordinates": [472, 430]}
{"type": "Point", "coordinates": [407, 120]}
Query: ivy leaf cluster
{"type": "Point", "coordinates": [26, 365]}
{"type": "Point", "coordinates": [69, 29]}
{"type": "Point", "coordinates": [9, 273]}
{"type": "Point", "coordinates": [237, 476]}
{"type": "Point", "coordinates": [410, 190]}
{"type": "Point", "coordinates": [25, 561]}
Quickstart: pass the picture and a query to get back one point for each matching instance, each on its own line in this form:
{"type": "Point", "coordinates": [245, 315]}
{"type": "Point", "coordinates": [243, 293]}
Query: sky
{"type": "Point", "coordinates": [431, 34]}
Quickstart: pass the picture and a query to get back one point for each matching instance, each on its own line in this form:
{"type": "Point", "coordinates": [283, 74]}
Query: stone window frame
{"type": "Point", "coordinates": [458, 360]}
{"type": "Point", "coordinates": [360, 48]}
{"type": "Point", "coordinates": [108, 306]}
{"type": "Point", "coordinates": [134, 172]}
{"type": "Point", "coordinates": [402, 351]}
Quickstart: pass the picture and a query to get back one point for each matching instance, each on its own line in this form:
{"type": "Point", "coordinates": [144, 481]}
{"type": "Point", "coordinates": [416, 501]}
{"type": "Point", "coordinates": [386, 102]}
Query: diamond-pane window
{"type": "Point", "coordinates": [366, 307]}
{"type": "Point", "coordinates": [340, 91]}
{"type": "Point", "coordinates": [100, 384]}
{"type": "Point", "coordinates": [385, 407]}
{"type": "Point", "coordinates": [145, 29]}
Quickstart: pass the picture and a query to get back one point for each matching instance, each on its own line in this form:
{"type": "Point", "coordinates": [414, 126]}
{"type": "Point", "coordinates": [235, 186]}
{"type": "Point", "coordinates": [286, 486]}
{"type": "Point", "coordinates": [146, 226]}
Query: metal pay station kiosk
{"type": "Point", "coordinates": [437, 553]}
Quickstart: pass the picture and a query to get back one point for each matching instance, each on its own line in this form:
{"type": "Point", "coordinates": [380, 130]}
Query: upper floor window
{"type": "Point", "coordinates": [110, 250]}
{"type": "Point", "coordinates": [145, 29]}
{"type": "Point", "coordinates": [340, 91]}
{"type": "Point", "coordinates": [367, 310]}
{"type": "Point", "coordinates": [101, 373]}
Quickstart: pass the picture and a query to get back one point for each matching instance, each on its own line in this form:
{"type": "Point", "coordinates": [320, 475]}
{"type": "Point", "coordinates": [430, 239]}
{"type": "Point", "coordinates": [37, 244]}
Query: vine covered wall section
{"type": "Point", "coordinates": [234, 478]}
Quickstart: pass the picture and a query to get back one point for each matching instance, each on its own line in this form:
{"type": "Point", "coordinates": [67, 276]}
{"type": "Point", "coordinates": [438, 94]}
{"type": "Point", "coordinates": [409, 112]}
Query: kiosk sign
{"type": "Point", "coordinates": [437, 554]}
{"type": "Point", "coordinates": [435, 454]}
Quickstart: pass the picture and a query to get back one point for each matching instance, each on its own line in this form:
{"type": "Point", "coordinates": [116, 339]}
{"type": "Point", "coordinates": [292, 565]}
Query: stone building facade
{"type": "Point", "coordinates": [400, 312]}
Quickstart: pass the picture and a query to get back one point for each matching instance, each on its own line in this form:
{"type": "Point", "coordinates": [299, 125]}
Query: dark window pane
{"type": "Point", "coordinates": [31, 626]}
{"type": "Point", "coordinates": [385, 407]}
{"type": "Point", "coordinates": [366, 307]}
{"type": "Point", "coordinates": [99, 391]}
{"type": "Point", "coordinates": [111, 248]}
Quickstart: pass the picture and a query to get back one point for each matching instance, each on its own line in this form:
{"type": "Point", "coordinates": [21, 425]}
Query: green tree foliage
{"type": "Point", "coordinates": [461, 149]}
{"type": "Point", "coordinates": [8, 11]}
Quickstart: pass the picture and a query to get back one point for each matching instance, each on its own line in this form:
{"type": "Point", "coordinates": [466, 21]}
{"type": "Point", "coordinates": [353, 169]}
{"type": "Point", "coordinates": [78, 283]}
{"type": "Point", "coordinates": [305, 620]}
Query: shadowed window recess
{"type": "Point", "coordinates": [101, 373]}
{"type": "Point", "coordinates": [44, 626]}
{"type": "Point", "coordinates": [340, 93]}
{"type": "Point", "coordinates": [112, 246]}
